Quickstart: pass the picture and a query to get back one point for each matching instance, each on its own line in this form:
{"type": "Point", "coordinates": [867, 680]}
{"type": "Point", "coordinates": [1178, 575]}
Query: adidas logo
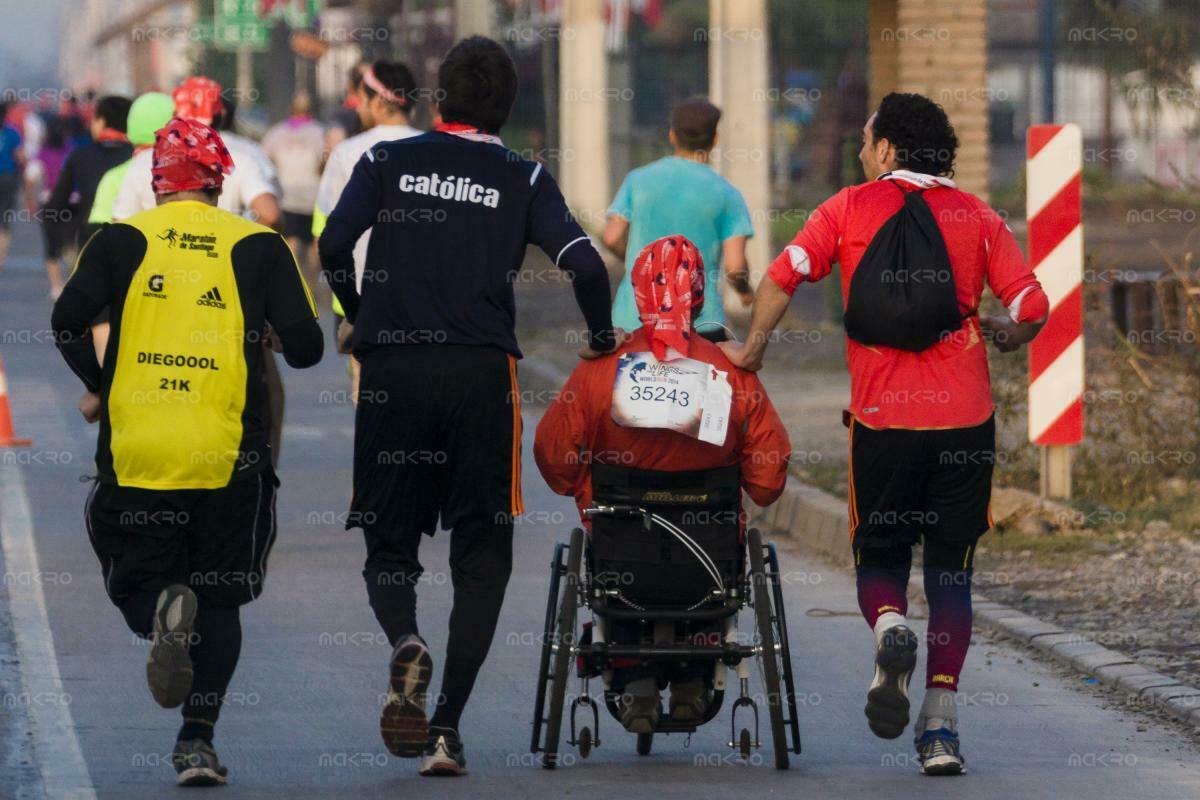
{"type": "Point", "coordinates": [211, 298]}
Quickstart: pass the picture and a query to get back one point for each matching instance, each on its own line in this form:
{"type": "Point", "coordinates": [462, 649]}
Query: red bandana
{"type": "Point", "coordinates": [668, 284]}
{"type": "Point", "coordinates": [198, 99]}
{"type": "Point", "coordinates": [188, 156]}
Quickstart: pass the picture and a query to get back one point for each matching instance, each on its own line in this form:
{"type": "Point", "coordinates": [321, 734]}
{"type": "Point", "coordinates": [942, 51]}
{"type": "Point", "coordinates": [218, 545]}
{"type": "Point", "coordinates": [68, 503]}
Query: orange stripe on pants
{"type": "Point", "coordinates": [518, 505]}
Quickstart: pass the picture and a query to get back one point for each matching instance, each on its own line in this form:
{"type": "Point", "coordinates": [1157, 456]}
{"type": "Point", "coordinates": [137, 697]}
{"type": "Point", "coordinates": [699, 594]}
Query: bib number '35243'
{"type": "Point", "coordinates": [683, 395]}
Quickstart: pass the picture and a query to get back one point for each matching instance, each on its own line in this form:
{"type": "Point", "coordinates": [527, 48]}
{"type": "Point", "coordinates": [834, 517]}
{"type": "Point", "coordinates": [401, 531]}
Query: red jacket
{"type": "Point", "coordinates": [947, 385]}
{"type": "Point", "coordinates": [578, 430]}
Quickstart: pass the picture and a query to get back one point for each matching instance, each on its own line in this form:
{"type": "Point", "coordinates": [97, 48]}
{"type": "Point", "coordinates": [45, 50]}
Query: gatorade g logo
{"type": "Point", "coordinates": [154, 288]}
{"type": "Point", "coordinates": [212, 298]}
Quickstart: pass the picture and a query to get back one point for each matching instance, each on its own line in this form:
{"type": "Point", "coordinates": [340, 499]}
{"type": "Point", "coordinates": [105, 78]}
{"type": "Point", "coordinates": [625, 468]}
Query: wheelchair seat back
{"type": "Point", "coordinates": [642, 559]}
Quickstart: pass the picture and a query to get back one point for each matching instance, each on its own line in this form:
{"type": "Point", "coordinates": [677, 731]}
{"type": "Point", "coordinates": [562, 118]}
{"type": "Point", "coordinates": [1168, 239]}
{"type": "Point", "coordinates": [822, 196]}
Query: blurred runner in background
{"type": "Point", "coordinates": [182, 515]}
{"type": "Point", "coordinates": [389, 92]}
{"type": "Point", "coordinates": [251, 188]}
{"type": "Point", "coordinates": [12, 164]}
{"type": "Point", "coordinates": [147, 114]}
{"type": "Point", "coordinates": [348, 119]}
{"type": "Point", "coordinates": [682, 195]}
{"type": "Point", "coordinates": [295, 145]}
{"type": "Point", "coordinates": [41, 175]}
{"type": "Point", "coordinates": [86, 166]}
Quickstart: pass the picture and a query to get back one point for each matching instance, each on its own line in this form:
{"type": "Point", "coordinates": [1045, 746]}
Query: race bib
{"type": "Point", "coordinates": [684, 395]}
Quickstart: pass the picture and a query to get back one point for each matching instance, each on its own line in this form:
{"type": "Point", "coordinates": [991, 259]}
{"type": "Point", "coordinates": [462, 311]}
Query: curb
{"type": "Point", "coordinates": [817, 522]}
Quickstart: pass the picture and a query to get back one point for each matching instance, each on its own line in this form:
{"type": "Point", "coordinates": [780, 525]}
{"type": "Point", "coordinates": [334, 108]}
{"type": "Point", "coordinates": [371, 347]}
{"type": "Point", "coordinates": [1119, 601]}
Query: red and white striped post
{"type": "Point", "coordinates": [1056, 356]}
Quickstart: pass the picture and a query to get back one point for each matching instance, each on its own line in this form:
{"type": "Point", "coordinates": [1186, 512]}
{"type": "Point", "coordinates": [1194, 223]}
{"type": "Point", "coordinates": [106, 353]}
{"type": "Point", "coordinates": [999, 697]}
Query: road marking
{"type": "Point", "coordinates": [60, 760]}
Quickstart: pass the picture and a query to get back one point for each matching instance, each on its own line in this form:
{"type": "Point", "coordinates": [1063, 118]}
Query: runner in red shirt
{"type": "Point", "coordinates": [922, 433]}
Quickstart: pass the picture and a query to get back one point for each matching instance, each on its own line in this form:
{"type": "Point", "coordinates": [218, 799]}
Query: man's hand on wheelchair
{"type": "Point", "coordinates": [620, 337]}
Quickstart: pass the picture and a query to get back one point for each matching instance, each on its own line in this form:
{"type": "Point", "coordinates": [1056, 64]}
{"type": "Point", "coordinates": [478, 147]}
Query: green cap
{"type": "Point", "coordinates": [148, 113]}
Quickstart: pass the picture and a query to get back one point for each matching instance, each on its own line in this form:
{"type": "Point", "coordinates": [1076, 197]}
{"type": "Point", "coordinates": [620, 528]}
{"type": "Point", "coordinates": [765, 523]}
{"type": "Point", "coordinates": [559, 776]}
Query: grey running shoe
{"type": "Point", "coordinates": [196, 764]}
{"type": "Point", "coordinates": [939, 754]}
{"type": "Point", "coordinates": [169, 666]}
{"type": "Point", "coordinates": [640, 706]}
{"type": "Point", "coordinates": [887, 699]}
{"type": "Point", "coordinates": [689, 700]}
{"type": "Point", "coordinates": [403, 725]}
{"type": "Point", "coordinates": [444, 756]}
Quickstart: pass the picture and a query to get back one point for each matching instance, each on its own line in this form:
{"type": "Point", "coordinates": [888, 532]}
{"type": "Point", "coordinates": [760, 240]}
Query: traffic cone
{"type": "Point", "coordinates": [6, 425]}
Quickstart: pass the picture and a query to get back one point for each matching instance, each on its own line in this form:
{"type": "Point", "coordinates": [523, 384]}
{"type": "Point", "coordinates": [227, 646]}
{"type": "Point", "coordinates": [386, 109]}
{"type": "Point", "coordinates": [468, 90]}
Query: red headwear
{"type": "Point", "coordinates": [668, 284]}
{"type": "Point", "coordinates": [198, 99]}
{"type": "Point", "coordinates": [188, 156]}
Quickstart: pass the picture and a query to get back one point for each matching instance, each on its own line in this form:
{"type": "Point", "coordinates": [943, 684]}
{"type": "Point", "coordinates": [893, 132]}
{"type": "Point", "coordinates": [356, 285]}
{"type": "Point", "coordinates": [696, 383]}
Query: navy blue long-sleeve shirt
{"type": "Point", "coordinates": [450, 219]}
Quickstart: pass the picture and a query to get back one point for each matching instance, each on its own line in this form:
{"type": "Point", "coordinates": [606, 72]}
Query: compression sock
{"type": "Point", "coordinates": [883, 594]}
{"type": "Point", "coordinates": [949, 634]}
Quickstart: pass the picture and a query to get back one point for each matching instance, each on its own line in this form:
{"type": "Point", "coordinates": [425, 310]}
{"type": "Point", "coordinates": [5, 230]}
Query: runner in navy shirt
{"type": "Point", "coordinates": [438, 423]}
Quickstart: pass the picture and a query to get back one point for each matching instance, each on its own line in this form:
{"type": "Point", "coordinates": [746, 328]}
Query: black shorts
{"type": "Point", "coordinates": [437, 433]}
{"type": "Point", "coordinates": [215, 541]}
{"type": "Point", "coordinates": [298, 226]}
{"type": "Point", "coordinates": [908, 484]}
{"type": "Point", "coordinates": [8, 199]}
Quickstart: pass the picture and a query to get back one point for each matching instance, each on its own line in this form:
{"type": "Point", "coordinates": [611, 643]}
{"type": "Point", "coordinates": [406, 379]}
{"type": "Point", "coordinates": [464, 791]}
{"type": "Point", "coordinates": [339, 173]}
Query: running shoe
{"type": "Point", "coordinates": [403, 725]}
{"type": "Point", "coordinates": [938, 751]}
{"type": "Point", "coordinates": [689, 700]}
{"type": "Point", "coordinates": [640, 706]}
{"type": "Point", "coordinates": [887, 699]}
{"type": "Point", "coordinates": [444, 755]}
{"type": "Point", "coordinates": [196, 764]}
{"type": "Point", "coordinates": [169, 665]}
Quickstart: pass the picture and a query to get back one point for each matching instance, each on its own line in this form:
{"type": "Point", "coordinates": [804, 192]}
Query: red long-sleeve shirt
{"type": "Point", "coordinates": [947, 385]}
{"type": "Point", "coordinates": [578, 431]}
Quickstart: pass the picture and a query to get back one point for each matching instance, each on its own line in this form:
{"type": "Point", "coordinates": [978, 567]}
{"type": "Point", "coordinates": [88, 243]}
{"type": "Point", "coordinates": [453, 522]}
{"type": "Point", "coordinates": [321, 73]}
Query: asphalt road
{"type": "Point", "coordinates": [301, 721]}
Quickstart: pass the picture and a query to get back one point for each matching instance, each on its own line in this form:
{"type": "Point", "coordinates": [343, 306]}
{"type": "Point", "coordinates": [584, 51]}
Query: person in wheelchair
{"type": "Point", "coordinates": [666, 400]}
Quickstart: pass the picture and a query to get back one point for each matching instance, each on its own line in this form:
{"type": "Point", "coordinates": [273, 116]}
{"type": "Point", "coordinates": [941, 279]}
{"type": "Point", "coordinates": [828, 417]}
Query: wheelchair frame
{"type": "Point", "coordinates": [571, 586]}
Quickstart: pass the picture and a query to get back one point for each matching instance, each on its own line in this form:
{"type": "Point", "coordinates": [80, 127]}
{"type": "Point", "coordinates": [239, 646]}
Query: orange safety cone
{"type": "Point", "coordinates": [6, 424]}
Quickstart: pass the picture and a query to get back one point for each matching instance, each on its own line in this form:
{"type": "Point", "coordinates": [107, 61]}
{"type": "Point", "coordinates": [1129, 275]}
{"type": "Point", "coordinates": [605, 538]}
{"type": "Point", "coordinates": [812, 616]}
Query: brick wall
{"type": "Point", "coordinates": [938, 49]}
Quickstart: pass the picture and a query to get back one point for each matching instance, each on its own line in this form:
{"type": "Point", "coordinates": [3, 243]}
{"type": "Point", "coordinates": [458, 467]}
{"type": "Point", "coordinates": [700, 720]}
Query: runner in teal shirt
{"type": "Point", "coordinates": [681, 194]}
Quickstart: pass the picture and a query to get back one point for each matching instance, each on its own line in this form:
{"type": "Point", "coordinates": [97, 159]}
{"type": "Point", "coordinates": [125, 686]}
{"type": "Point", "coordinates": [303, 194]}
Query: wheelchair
{"type": "Point", "coordinates": [666, 553]}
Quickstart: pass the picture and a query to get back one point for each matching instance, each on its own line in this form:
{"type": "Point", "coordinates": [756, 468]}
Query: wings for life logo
{"type": "Point", "coordinates": [155, 288]}
{"type": "Point", "coordinates": [212, 298]}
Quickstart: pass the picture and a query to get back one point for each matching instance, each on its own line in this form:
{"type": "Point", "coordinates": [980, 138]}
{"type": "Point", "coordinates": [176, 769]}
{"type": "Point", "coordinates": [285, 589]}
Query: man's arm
{"type": "Point", "coordinates": [553, 229]}
{"type": "Point", "coordinates": [810, 257]}
{"type": "Point", "coordinates": [616, 235]}
{"type": "Point", "coordinates": [355, 211]}
{"type": "Point", "coordinates": [86, 293]}
{"type": "Point", "coordinates": [265, 208]}
{"type": "Point", "coordinates": [290, 308]}
{"type": "Point", "coordinates": [1011, 280]}
{"type": "Point", "coordinates": [737, 267]}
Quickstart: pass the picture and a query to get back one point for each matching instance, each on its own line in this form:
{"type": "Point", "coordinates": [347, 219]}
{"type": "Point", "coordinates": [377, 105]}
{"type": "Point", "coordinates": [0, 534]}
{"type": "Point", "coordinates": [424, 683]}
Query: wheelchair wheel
{"type": "Point", "coordinates": [769, 659]}
{"type": "Point", "coordinates": [539, 703]}
{"type": "Point", "coordinates": [644, 742]}
{"type": "Point", "coordinates": [785, 650]}
{"type": "Point", "coordinates": [564, 637]}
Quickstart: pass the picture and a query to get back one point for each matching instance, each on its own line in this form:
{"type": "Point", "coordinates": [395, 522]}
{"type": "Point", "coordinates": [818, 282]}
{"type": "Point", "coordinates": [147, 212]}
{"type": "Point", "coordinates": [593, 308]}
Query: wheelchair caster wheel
{"type": "Point", "coordinates": [644, 742]}
{"type": "Point", "coordinates": [585, 742]}
{"type": "Point", "coordinates": [744, 744]}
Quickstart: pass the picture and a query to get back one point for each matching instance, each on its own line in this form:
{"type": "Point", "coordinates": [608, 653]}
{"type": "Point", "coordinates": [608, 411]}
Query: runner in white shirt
{"type": "Point", "coordinates": [251, 187]}
{"type": "Point", "coordinates": [388, 93]}
{"type": "Point", "coordinates": [297, 147]}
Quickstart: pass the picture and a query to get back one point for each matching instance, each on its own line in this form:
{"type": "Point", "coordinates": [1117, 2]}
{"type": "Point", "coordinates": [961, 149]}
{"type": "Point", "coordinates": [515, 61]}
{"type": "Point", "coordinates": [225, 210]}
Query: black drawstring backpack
{"type": "Point", "coordinates": [902, 293]}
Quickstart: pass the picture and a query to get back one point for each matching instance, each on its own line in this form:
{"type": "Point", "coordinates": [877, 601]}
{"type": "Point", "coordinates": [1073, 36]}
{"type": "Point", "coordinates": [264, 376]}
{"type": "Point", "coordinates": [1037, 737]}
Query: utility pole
{"type": "Point", "coordinates": [583, 112]}
{"type": "Point", "coordinates": [738, 81]}
{"type": "Point", "coordinates": [1049, 28]}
